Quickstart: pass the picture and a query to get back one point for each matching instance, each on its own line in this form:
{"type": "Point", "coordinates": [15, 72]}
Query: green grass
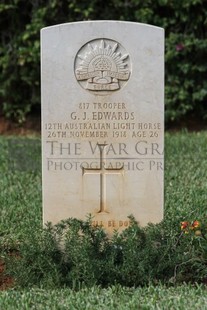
{"type": "Point", "coordinates": [21, 214]}
{"type": "Point", "coordinates": [186, 175]}
{"type": "Point", "coordinates": [20, 184]}
{"type": "Point", "coordinates": [116, 297]}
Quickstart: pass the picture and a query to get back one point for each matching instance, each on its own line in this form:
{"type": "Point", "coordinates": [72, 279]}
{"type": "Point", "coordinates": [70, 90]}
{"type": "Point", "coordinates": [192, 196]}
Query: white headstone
{"type": "Point", "coordinates": [103, 122]}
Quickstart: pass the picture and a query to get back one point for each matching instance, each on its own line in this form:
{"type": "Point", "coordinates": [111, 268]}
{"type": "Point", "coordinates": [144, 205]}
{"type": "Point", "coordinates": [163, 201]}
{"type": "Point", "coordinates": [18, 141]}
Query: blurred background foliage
{"type": "Point", "coordinates": [184, 21]}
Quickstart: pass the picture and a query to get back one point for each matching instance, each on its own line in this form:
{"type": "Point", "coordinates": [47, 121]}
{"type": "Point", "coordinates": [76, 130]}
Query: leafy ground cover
{"type": "Point", "coordinates": [33, 258]}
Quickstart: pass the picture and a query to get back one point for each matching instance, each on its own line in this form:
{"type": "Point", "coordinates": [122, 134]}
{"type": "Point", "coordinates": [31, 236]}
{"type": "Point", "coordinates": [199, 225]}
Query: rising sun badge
{"type": "Point", "coordinates": [102, 65]}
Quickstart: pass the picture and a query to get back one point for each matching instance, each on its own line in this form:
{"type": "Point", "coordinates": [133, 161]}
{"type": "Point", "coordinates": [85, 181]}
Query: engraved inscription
{"type": "Point", "coordinates": [104, 120]}
{"type": "Point", "coordinates": [102, 65]}
{"type": "Point", "coordinates": [102, 171]}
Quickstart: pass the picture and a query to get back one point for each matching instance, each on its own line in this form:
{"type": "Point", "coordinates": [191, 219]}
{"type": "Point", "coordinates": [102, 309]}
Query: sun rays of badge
{"type": "Point", "coordinates": [102, 66]}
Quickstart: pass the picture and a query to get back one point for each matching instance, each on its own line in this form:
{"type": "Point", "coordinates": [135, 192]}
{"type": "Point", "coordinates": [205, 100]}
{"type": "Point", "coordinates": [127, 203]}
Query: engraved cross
{"type": "Point", "coordinates": [102, 171]}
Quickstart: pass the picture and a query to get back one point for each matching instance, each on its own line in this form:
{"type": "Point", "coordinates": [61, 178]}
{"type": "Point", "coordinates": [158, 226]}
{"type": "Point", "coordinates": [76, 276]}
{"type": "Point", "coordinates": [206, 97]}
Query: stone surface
{"type": "Point", "coordinates": [102, 122]}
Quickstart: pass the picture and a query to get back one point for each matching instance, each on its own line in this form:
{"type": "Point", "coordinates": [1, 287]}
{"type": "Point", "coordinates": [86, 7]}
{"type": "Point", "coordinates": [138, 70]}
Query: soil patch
{"type": "Point", "coordinates": [6, 282]}
{"type": "Point", "coordinates": [32, 126]}
{"type": "Point", "coordinates": [191, 123]}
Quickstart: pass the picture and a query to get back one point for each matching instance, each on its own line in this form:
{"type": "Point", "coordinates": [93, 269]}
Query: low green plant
{"type": "Point", "coordinates": [74, 253]}
{"type": "Point", "coordinates": [195, 235]}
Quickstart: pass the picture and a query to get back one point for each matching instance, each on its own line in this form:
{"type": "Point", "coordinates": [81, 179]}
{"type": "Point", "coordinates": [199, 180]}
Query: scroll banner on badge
{"type": "Point", "coordinates": [118, 75]}
{"type": "Point", "coordinates": [111, 86]}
